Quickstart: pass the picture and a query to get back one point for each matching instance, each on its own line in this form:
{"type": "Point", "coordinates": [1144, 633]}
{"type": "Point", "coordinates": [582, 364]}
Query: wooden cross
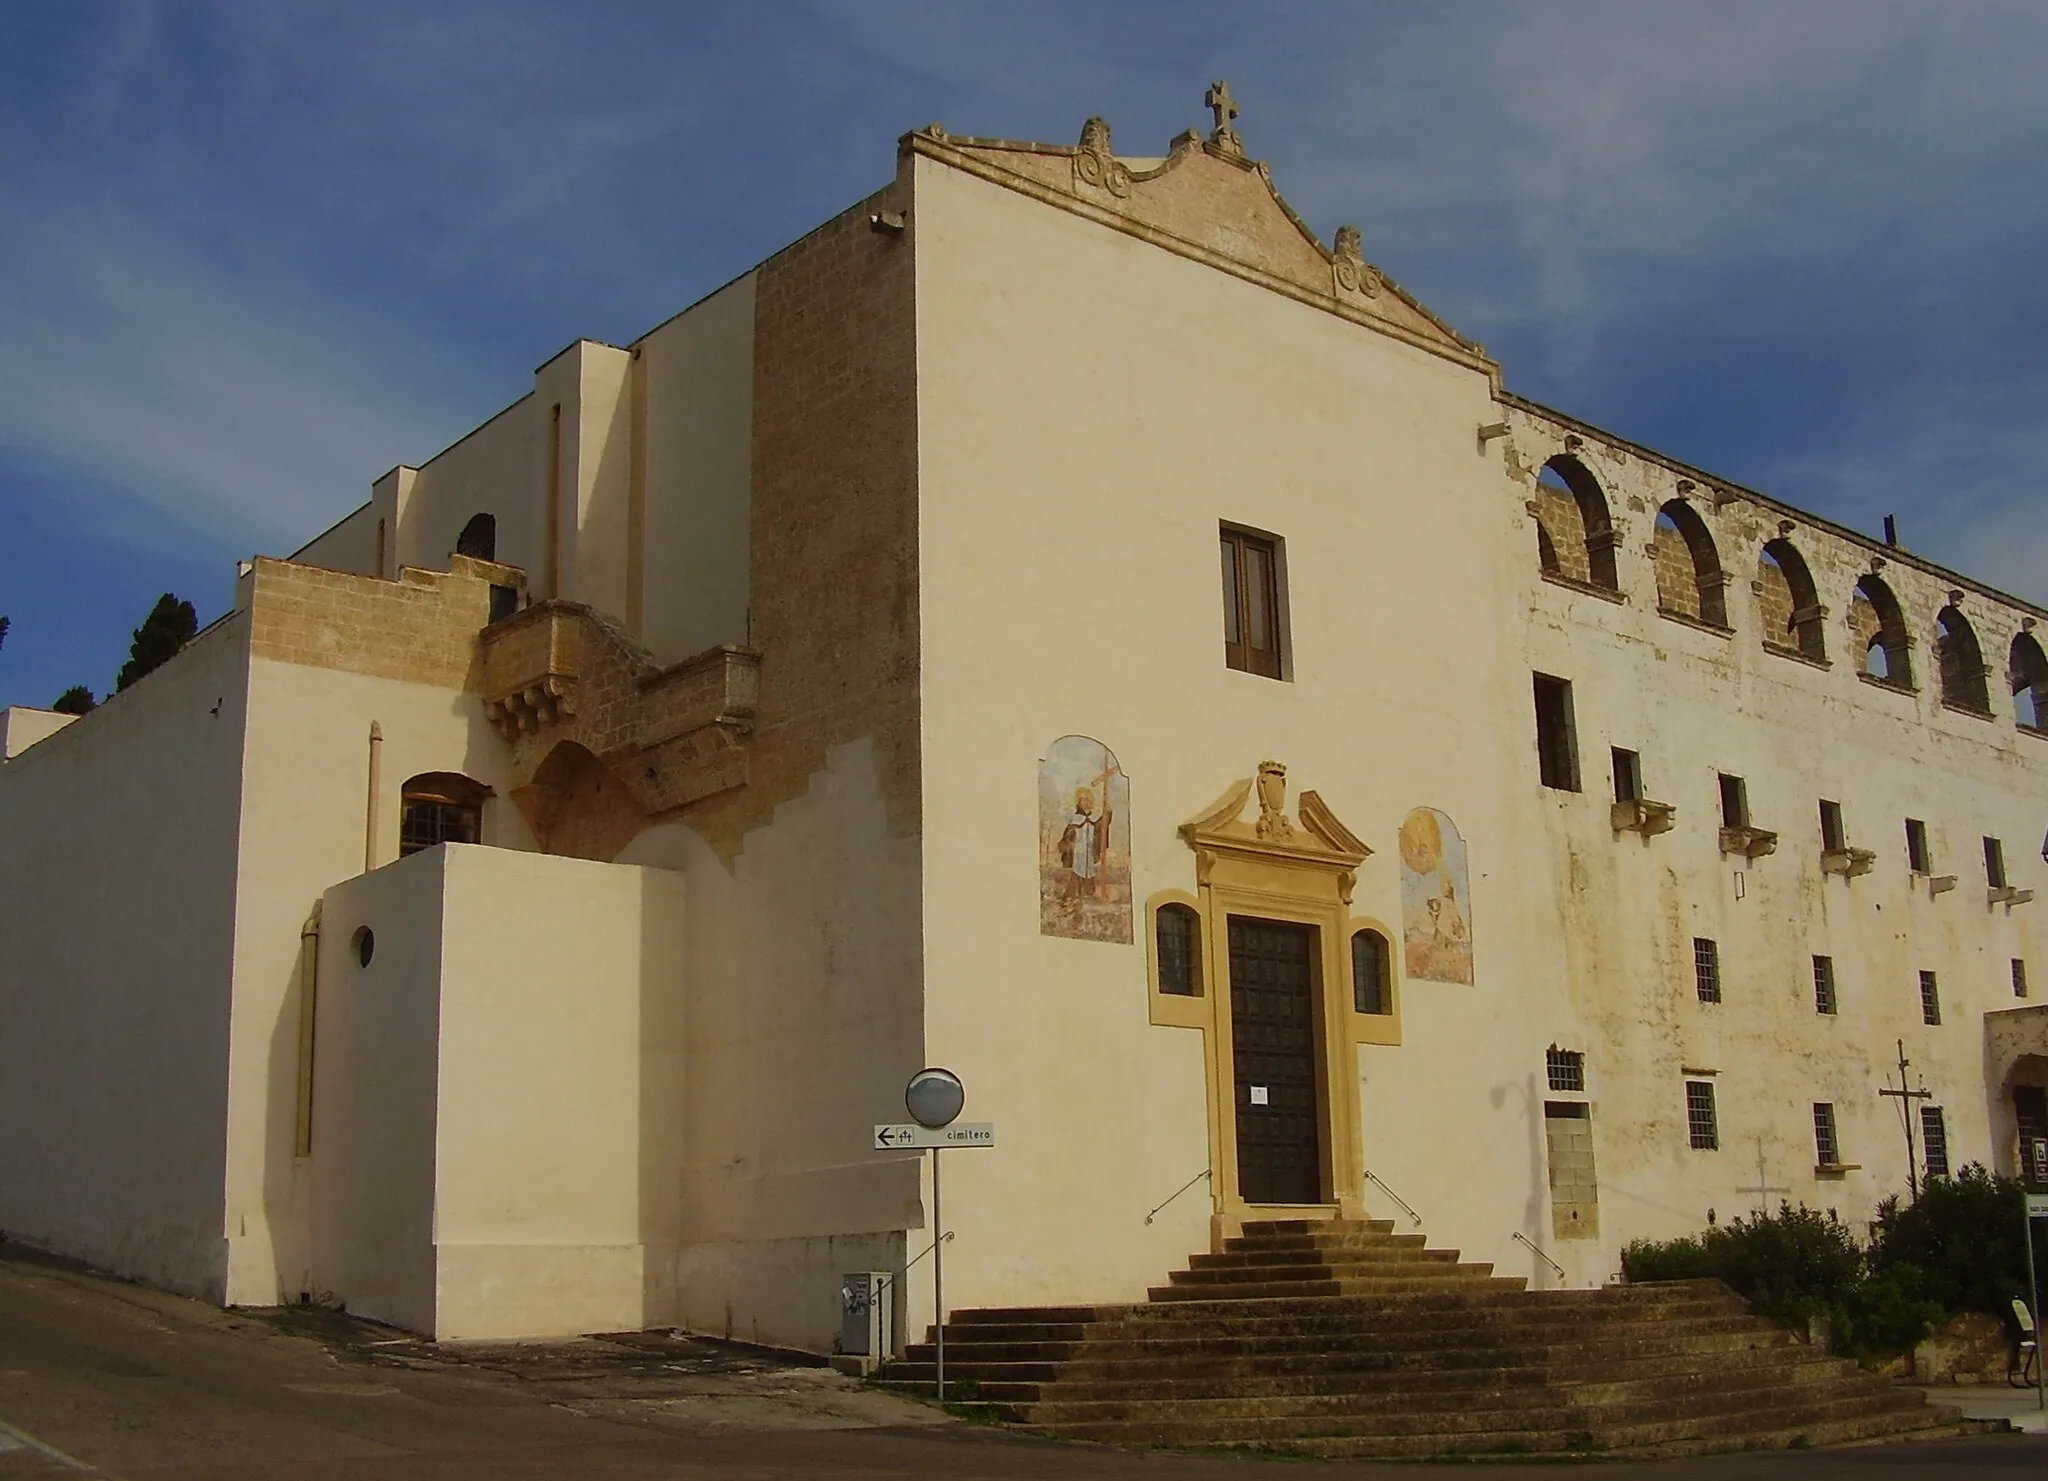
{"type": "Point", "coordinates": [1219, 102]}
{"type": "Point", "coordinates": [1763, 1190]}
{"type": "Point", "coordinates": [1905, 1097]}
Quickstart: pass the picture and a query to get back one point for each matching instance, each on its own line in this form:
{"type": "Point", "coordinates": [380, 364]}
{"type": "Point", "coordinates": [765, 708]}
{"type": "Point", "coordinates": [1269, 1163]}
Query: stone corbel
{"type": "Point", "coordinates": [1641, 815]}
{"type": "Point", "coordinates": [2008, 896]}
{"type": "Point", "coordinates": [1940, 884]}
{"type": "Point", "coordinates": [1847, 862]}
{"type": "Point", "coordinates": [1750, 843]}
{"type": "Point", "coordinates": [525, 710]}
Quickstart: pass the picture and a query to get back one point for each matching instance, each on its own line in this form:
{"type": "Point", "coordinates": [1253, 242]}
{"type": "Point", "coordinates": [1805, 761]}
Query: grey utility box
{"type": "Point", "coordinates": [865, 1304]}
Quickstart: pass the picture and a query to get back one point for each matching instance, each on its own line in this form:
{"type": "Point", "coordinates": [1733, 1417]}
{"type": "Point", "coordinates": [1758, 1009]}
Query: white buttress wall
{"type": "Point", "coordinates": [117, 931]}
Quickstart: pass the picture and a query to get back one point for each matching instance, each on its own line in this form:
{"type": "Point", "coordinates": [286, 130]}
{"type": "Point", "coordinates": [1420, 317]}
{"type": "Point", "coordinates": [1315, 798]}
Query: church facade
{"type": "Point", "coordinates": [1061, 621]}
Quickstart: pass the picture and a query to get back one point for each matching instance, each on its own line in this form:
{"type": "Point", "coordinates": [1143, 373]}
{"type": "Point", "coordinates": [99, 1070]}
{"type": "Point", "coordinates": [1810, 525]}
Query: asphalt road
{"type": "Point", "coordinates": [102, 1379]}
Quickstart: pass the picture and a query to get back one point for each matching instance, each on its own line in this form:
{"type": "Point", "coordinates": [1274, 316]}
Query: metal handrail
{"type": "Point", "coordinates": [1541, 1256]}
{"type": "Point", "coordinates": [1204, 1173]}
{"type": "Point", "coordinates": [943, 1238]}
{"type": "Point", "coordinates": [1373, 1177]}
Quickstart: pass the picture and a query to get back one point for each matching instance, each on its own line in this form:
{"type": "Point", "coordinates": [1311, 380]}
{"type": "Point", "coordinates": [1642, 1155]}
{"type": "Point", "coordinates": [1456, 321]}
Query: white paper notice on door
{"type": "Point", "coordinates": [1258, 1095]}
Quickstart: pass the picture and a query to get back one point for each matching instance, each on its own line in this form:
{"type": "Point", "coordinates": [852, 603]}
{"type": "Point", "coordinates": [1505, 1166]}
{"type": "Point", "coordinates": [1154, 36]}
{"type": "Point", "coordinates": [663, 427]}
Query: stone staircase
{"type": "Point", "coordinates": [1349, 1340]}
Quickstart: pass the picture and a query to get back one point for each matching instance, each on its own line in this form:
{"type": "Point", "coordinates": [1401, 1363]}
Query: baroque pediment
{"type": "Point", "coordinates": [1205, 199]}
{"type": "Point", "coordinates": [1251, 818]}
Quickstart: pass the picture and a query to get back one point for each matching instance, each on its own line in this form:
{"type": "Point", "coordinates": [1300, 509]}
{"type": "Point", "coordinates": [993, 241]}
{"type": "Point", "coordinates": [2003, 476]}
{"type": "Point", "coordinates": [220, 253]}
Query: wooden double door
{"type": "Point", "coordinates": [1274, 1015]}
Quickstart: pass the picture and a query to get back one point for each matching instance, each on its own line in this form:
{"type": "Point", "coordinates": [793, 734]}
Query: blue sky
{"type": "Point", "coordinates": [257, 254]}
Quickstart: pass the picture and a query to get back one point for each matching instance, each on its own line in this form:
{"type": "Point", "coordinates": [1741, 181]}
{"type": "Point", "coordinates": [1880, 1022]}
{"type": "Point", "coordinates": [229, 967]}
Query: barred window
{"type": "Point", "coordinates": [1706, 969]}
{"type": "Point", "coordinates": [1934, 1136]}
{"type": "Point", "coordinates": [1372, 989]}
{"type": "Point", "coordinates": [1824, 984]}
{"type": "Point", "coordinates": [1827, 1150]}
{"type": "Point", "coordinates": [1178, 933]}
{"type": "Point", "coordinates": [1700, 1124]}
{"type": "Point", "coordinates": [1930, 999]}
{"type": "Point", "coordinates": [1566, 1068]}
{"type": "Point", "coordinates": [2019, 978]}
{"type": "Point", "coordinates": [440, 807]}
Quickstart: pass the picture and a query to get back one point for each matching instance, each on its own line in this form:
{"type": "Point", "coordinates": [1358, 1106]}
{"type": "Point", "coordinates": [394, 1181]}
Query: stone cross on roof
{"type": "Point", "coordinates": [1219, 102]}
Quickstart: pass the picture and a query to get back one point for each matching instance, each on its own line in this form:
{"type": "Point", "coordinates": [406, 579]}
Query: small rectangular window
{"type": "Point", "coordinates": [1827, 1151]}
{"type": "Point", "coordinates": [1824, 984]}
{"type": "Point", "coordinates": [1832, 836]}
{"type": "Point", "coordinates": [1251, 603]}
{"type": "Point", "coordinates": [1557, 744]}
{"type": "Point", "coordinates": [1734, 802]}
{"type": "Point", "coordinates": [1371, 982]}
{"type": "Point", "coordinates": [1934, 1137]}
{"type": "Point", "coordinates": [1916, 847]}
{"type": "Point", "coordinates": [2019, 978]}
{"type": "Point", "coordinates": [1700, 1125]}
{"type": "Point", "coordinates": [1177, 942]}
{"type": "Point", "coordinates": [1706, 969]}
{"type": "Point", "coordinates": [1566, 1068]}
{"type": "Point", "coordinates": [1930, 999]}
{"type": "Point", "coordinates": [1994, 863]}
{"type": "Point", "coordinates": [1628, 775]}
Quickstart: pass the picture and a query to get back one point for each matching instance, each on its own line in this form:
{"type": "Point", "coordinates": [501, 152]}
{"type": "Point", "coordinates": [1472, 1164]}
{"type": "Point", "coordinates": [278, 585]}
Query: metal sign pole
{"type": "Point", "coordinates": [939, 1272]}
{"type": "Point", "coordinates": [2036, 1208]}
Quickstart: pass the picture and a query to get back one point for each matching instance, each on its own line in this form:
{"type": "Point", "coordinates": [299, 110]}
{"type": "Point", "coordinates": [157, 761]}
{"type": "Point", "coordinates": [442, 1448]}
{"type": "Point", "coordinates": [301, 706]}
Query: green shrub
{"type": "Point", "coordinates": [1790, 1264]}
{"type": "Point", "coordinates": [1964, 1236]}
{"type": "Point", "coordinates": [1886, 1312]}
{"type": "Point", "coordinates": [1685, 1258]}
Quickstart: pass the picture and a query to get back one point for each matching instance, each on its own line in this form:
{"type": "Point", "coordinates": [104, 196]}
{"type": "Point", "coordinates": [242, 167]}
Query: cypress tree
{"type": "Point", "coordinates": [169, 627]}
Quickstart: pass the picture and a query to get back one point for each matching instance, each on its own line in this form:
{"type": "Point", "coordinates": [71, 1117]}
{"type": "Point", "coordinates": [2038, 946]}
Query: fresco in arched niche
{"type": "Point", "coordinates": [1436, 898]}
{"type": "Point", "coordinates": [1084, 842]}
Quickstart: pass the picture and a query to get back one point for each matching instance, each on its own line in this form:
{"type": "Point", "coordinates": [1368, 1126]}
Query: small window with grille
{"type": "Point", "coordinates": [1833, 836]}
{"type": "Point", "coordinates": [1934, 1137]}
{"type": "Point", "coordinates": [1177, 932]}
{"type": "Point", "coordinates": [1706, 969]}
{"type": "Point", "coordinates": [1566, 1068]}
{"type": "Point", "coordinates": [1700, 1125]}
{"type": "Point", "coordinates": [2019, 978]}
{"type": "Point", "coordinates": [1994, 863]}
{"type": "Point", "coordinates": [440, 807]}
{"type": "Point", "coordinates": [1824, 984]}
{"type": "Point", "coordinates": [1628, 775]}
{"type": "Point", "coordinates": [1930, 999]}
{"type": "Point", "coordinates": [1827, 1147]}
{"type": "Point", "coordinates": [1734, 802]}
{"type": "Point", "coordinates": [1372, 988]}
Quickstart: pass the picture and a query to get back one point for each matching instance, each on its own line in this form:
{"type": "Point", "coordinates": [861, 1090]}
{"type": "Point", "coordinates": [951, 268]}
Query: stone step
{"type": "Point", "coordinates": [1691, 1417]}
{"type": "Point", "coordinates": [1476, 1331]}
{"type": "Point", "coordinates": [1254, 1342]}
{"type": "Point", "coordinates": [1338, 1285]}
{"type": "Point", "coordinates": [1361, 1393]}
{"type": "Point", "coordinates": [1436, 1273]}
{"type": "Point", "coordinates": [1387, 1254]}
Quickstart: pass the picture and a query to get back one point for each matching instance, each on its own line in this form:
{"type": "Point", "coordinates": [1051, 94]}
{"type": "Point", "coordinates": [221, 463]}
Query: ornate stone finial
{"type": "Point", "coordinates": [1272, 793]}
{"type": "Point", "coordinates": [1349, 267]}
{"type": "Point", "coordinates": [1095, 165]}
{"type": "Point", "coordinates": [1219, 102]}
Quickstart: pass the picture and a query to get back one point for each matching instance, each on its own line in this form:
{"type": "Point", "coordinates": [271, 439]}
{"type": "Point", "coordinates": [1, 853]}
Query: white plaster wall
{"type": "Point", "coordinates": [1090, 409]}
{"type": "Point", "coordinates": [500, 470]}
{"type": "Point", "coordinates": [560, 1102]}
{"type": "Point", "coordinates": [699, 370]}
{"type": "Point", "coordinates": [306, 781]}
{"type": "Point", "coordinates": [350, 545]}
{"type": "Point", "coordinates": [117, 921]}
{"type": "Point", "coordinates": [1695, 704]}
{"type": "Point", "coordinates": [21, 726]}
{"type": "Point", "coordinates": [802, 1026]}
{"type": "Point", "coordinates": [375, 1089]}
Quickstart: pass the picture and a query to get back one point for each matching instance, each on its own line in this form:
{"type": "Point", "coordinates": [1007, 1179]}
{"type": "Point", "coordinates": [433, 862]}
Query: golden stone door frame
{"type": "Point", "coordinates": [1300, 872]}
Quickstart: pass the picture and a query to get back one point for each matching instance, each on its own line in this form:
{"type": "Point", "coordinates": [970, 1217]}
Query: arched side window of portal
{"type": "Point", "coordinates": [440, 807]}
{"type": "Point", "coordinates": [479, 538]}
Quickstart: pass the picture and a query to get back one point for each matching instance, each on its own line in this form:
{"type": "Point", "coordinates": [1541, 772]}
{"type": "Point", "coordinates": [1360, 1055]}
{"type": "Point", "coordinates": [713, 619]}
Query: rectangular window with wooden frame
{"type": "Point", "coordinates": [1251, 603]}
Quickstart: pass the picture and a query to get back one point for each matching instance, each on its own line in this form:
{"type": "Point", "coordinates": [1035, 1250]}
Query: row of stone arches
{"type": "Point", "coordinates": [1576, 540]}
